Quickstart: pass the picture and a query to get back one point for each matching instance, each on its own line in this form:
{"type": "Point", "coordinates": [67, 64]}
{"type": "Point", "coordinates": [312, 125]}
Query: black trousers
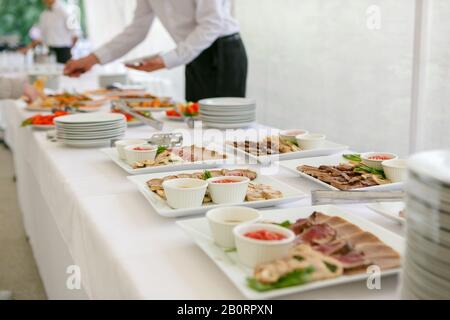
{"type": "Point", "coordinates": [219, 71]}
{"type": "Point", "coordinates": [63, 54]}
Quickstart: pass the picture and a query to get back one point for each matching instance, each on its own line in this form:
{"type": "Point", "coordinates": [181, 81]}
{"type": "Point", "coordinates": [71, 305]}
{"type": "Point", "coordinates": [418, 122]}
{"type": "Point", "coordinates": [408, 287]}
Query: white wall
{"type": "Point", "coordinates": [107, 18]}
{"type": "Point", "coordinates": [314, 64]}
{"type": "Point", "coordinates": [435, 121]}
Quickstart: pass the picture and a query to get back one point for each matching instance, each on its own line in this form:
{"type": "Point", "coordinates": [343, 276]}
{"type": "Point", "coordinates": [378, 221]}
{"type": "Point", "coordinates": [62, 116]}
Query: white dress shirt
{"type": "Point", "coordinates": [193, 24]}
{"type": "Point", "coordinates": [56, 27]}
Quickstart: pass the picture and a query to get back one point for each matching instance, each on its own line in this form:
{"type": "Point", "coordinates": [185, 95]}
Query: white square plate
{"type": "Point", "coordinates": [228, 262]}
{"type": "Point", "coordinates": [327, 149]}
{"type": "Point", "coordinates": [114, 156]}
{"type": "Point", "coordinates": [162, 208]}
{"type": "Point", "coordinates": [332, 160]}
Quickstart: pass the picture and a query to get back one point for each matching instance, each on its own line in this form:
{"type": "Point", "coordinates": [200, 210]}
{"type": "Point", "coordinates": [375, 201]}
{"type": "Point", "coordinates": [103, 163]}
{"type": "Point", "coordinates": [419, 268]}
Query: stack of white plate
{"type": "Point", "coordinates": [90, 130]}
{"type": "Point", "coordinates": [427, 264]}
{"type": "Point", "coordinates": [227, 113]}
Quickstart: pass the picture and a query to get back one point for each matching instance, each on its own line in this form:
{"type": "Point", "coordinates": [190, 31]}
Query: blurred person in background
{"type": "Point", "coordinates": [57, 30]}
{"type": "Point", "coordinates": [15, 88]}
{"type": "Point", "coordinates": [208, 43]}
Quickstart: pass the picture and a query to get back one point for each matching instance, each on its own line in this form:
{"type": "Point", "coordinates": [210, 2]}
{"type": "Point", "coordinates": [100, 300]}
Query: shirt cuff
{"type": "Point", "coordinates": [104, 55]}
{"type": "Point", "coordinates": [171, 59]}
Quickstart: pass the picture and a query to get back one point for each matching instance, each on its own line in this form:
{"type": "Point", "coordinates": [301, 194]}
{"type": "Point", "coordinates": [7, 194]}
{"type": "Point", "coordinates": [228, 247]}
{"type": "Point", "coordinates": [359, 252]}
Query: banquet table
{"type": "Point", "coordinates": [79, 209]}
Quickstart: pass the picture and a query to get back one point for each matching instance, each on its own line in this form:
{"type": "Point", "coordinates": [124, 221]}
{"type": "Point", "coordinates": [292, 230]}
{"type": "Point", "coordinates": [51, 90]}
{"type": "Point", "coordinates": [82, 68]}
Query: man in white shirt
{"type": "Point", "coordinates": [57, 30]}
{"type": "Point", "coordinates": [208, 43]}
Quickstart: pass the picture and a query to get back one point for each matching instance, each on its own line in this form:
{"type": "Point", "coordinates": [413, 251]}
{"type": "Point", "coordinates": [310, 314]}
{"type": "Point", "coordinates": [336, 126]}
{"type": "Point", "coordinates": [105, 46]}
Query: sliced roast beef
{"type": "Point", "coordinates": [318, 234]}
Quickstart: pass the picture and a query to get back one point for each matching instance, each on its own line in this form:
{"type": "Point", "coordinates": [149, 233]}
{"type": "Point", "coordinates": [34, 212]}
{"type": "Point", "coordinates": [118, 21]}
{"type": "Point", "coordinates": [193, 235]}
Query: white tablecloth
{"type": "Point", "coordinates": [80, 209]}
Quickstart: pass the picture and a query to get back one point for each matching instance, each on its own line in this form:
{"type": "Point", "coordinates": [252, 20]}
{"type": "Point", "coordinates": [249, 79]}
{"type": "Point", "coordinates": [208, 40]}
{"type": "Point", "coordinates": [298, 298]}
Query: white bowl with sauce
{"type": "Point", "coordinates": [222, 221]}
{"type": "Point", "coordinates": [121, 144]}
{"type": "Point", "coordinates": [139, 153]}
{"type": "Point", "coordinates": [185, 193]}
{"type": "Point", "coordinates": [228, 190]}
{"type": "Point", "coordinates": [375, 159]}
{"type": "Point", "coordinates": [253, 252]}
{"type": "Point", "coordinates": [396, 170]}
{"type": "Point", "coordinates": [311, 141]}
{"type": "Point", "coordinates": [292, 134]}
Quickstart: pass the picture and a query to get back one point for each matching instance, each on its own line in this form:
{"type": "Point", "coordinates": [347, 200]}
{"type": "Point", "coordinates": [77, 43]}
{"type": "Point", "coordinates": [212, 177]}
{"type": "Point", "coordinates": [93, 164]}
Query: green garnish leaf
{"type": "Point", "coordinates": [367, 169]}
{"type": "Point", "coordinates": [353, 157]}
{"type": "Point", "coordinates": [331, 267]}
{"type": "Point", "coordinates": [27, 122]}
{"type": "Point", "coordinates": [161, 149]}
{"type": "Point", "coordinates": [295, 278]}
{"type": "Point", "coordinates": [285, 224]}
{"type": "Point", "coordinates": [207, 175]}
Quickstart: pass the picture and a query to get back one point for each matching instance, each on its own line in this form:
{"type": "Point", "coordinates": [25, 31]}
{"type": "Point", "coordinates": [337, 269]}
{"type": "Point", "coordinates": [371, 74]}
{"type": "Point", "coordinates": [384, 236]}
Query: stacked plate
{"type": "Point", "coordinates": [427, 263]}
{"type": "Point", "coordinates": [90, 130]}
{"type": "Point", "coordinates": [227, 113]}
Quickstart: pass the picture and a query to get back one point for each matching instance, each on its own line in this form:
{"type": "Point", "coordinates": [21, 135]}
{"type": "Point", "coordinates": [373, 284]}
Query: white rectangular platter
{"type": "Point", "coordinates": [114, 156]}
{"type": "Point", "coordinates": [228, 262]}
{"type": "Point", "coordinates": [290, 194]}
{"type": "Point", "coordinates": [332, 160]}
{"type": "Point", "coordinates": [327, 149]}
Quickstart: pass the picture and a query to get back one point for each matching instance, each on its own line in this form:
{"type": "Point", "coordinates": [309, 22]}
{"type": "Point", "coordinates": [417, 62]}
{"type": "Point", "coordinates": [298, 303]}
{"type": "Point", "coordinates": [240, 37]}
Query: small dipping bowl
{"type": "Point", "coordinates": [222, 221]}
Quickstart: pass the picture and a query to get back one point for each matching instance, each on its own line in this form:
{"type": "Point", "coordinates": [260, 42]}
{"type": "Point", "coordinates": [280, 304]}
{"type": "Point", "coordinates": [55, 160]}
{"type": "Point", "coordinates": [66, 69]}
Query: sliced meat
{"type": "Point", "coordinates": [240, 173]}
{"type": "Point", "coordinates": [300, 225]}
{"type": "Point", "coordinates": [385, 263]}
{"type": "Point", "coordinates": [318, 234]}
{"type": "Point", "coordinates": [352, 260]}
{"type": "Point", "coordinates": [361, 237]}
{"type": "Point", "coordinates": [346, 230]}
{"type": "Point", "coordinates": [332, 248]}
{"type": "Point", "coordinates": [376, 250]}
{"type": "Point", "coordinates": [155, 184]}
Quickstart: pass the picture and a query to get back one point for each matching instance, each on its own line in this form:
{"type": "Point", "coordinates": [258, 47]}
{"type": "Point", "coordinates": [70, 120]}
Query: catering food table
{"type": "Point", "coordinates": [80, 209]}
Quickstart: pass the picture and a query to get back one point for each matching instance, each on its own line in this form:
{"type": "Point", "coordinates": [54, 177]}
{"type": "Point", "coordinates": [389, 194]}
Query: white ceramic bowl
{"type": "Point", "coordinates": [228, 193]}
{"type": "Point", "coordinates": [121, 144]}
{"type": "Point", "coordinates": [292, 134]}
{"type": "Point", "coordinates": [311, 141]}
{"type": "Point", "coordinates": [222, 221]}
{"type": "Point", "coordinates": [377, 164]}
{"type": "Point", "coordinates": [185, 193]}
{"type": "Point", "coordinates": [396, 170]}
{"type": "Point", "coordinates": [253, 252]}
{"type": "Point", "coordinates": [132, 156]}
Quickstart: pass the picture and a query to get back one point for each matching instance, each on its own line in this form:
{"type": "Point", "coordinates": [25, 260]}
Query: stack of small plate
{"type": "Point", "coordinates": [427, 263]}
{"type": "Point", "coordinates": [227, 113]}
{"type": "Point", "coordinates": [90, 130]}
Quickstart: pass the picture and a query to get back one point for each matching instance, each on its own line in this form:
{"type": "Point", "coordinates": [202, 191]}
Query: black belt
{"type": "Point", "coordinates": [231, 37]}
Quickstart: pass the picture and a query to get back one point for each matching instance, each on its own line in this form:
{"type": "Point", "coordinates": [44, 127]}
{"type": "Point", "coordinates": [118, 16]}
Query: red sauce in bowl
{"type": "Point", "coordinates": [223, 181]}
{"type": "Point", "coordinates": [265, 235]}
{"type": "Point", "coordinates": [380, 158]}
{"type": "Point", "coordinates": [141, 149]}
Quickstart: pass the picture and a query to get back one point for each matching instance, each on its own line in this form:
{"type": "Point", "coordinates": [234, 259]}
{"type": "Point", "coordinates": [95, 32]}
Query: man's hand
{"type": "Point", "coordinates": [31, 93]}
{"type": "Point", "coordinates": [150, 65]}
{"type": "Point", "coordinates": [75, 68]}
